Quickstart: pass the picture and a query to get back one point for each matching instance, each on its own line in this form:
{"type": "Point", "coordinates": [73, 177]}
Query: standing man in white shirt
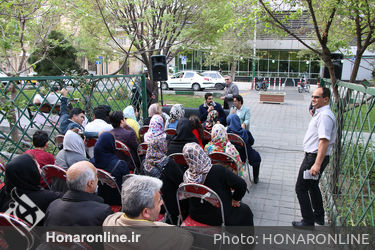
{"type": "Point", "coordinates": [318, 142]}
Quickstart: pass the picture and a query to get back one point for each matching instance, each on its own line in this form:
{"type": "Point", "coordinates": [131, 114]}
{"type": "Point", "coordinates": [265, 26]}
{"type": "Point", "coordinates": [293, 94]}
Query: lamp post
{"type": "Point", "coordinates": [254, 52]}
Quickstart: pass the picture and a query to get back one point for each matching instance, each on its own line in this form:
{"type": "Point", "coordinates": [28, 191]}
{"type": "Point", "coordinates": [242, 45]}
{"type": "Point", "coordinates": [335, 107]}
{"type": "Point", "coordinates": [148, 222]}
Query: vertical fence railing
{"type": "Point", "coordinates": [20, 116]}
{"type": "Point", "coordinates": [349, 181]}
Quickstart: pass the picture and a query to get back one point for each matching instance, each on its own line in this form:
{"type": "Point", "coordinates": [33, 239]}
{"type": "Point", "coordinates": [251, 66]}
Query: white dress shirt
{"type": "Point", "coordinates": [322, 125]}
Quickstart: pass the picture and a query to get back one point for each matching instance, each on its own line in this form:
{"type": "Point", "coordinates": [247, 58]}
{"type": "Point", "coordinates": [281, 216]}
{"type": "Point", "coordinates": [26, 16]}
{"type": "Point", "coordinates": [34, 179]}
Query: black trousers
{"type": "Point", "coordinates": [308, 192]}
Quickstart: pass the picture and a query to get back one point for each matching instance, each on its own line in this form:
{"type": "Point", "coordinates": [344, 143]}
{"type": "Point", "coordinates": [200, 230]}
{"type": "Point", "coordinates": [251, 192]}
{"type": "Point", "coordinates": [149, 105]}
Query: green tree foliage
{"type": "Point", "coordinates": [60, 59]}
{"type": "Point", "coordinates": [142, 28]}
{"type": "Point", "coordinates": [24, 27]}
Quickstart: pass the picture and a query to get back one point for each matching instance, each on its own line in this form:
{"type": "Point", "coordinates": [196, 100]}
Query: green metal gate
{"type": "Point", "coordinates": [20, 117]}
{"type": "Point", "coordinates": [349, 181]}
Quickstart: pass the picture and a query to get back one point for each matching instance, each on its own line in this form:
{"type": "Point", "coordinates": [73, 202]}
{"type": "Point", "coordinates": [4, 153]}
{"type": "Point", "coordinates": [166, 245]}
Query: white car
{"type": "Point", "coordinates": [217, 78]}
{"type": "Point", "coordinates": [188, 80]}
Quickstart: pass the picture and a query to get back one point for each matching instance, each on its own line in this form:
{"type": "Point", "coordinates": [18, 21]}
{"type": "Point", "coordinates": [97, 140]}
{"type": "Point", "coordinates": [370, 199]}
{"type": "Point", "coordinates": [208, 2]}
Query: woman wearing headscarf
{"type": "Point", "coordinates": [212, 119]}
{"type": "Point", "coordinates": [234, 126]}
{"type": "Point", "coordinates": [105, 158]}
{"type": "Point", "coordinates": [159, 165]}
{"type": "Point", "coordinates": [156, 128]}
{"type": "Point", "coordinates": [73, 150]}
{"type": "Point", "coordinates": [154, 109]}
{"type": "Point", "coordinates": [22, 174]}
{"type": "Point", "coordinates": [131, 120]}
{"type": "Point", "coordinates": [183, 135]}
{"type": "Point", "coordinates": [177, 112]}
{"type": "Point", "coordinates": [197, 128]}
{"type": "Point", "coordinates": [220, 143]}
{"type": "Point", "coordinates": [222, 181]}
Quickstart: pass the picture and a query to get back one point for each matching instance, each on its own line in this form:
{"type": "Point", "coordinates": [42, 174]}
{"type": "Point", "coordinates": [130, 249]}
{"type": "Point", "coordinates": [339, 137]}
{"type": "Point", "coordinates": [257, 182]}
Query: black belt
{"type": "Point", "coordinates": [311, 154]}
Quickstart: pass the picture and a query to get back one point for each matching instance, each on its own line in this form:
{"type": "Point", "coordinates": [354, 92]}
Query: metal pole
{"type": "Point", "coordinates": [254, 52]}
{"type": "Point", "coordinates": [161, 94]}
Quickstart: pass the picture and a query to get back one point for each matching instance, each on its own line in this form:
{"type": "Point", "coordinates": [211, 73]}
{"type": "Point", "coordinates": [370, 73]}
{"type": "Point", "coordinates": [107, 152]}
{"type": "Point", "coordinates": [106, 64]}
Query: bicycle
{"type": "Point", "coordinates": [304, 87]}
{"type": "Point", "coordinates": [261, 85]}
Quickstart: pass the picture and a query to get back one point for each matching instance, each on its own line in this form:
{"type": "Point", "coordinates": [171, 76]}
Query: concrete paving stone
{"type": "Point", "coordinates": [270, 216]}
{"type": "Point", "coordinates": [278, 131]}
{"type": "Point", "coordinates": [288, 211]}
{"type": "Point", "coordinates": [286, 218]}
{"type": "Point", "coordinates": [265, 222]}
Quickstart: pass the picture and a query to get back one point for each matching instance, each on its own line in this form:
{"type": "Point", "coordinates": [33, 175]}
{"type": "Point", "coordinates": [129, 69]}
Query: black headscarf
{"type": "Point", "coordinates": [22, 173]}
{"type": "Point", "coordinates": [183, 135]}
{"type": "Point", "coordinates": [184, 132]}
{"type": "Point", "coordinates": [105, 151]}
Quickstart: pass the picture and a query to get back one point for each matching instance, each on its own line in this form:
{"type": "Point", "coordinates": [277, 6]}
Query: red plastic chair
{"type": "Point", "coordinates": [2, 167]}
{"type": "Point", "coordinates": [120, 146]}
{"type": "Point", "coordinates": [59, 140]}
{"type": "Point", "coordinates": [170, 131]}
{"type": "Point", "coordinates": [90, 142]}
{"type": "Point", "coordinates": [52, 171]}
{"type": "Point", "coordinates": [106, 178]}
{"type": "Point", "coordinates": [142, 148]}
{"type": "Point", "coordinates": [237, 140]}
{"type": "Point", "coordinates": [194, 190]}
{"type": "Point", "coordinates": [178, 158]}
{"type": "Point", "coordinates": [225, 160]}
{"type": "Point", "coordinates": [2, 173]}
{"type": "Point", "coordinates": [206, 135]}
{"type": "Point", "coordinates": [142, 131]}
{"type": "Point", "coordinates": [22, 227]}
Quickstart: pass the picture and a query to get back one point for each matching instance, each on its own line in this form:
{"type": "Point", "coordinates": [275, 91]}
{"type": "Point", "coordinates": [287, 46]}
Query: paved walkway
{"type": "Point", "coordinates": [278, 130]}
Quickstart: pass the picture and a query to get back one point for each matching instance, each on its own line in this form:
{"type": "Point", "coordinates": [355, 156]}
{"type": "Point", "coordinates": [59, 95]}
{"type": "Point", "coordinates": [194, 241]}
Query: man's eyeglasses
{"type": "Point", "coordinates": [316, 97]}
{"type": "Point", "coordinates": [226, 79]}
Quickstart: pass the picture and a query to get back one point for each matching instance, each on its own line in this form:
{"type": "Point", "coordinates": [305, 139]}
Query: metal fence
{"type": "Point", "coordinates": [349, 181]}
{"type": "Point", "coordinates": [20, 117]}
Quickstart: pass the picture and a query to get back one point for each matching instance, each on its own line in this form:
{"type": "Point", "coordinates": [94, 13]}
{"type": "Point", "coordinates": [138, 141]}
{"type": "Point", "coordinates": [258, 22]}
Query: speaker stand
{"type": "Point", "coordinates": [161, 94]}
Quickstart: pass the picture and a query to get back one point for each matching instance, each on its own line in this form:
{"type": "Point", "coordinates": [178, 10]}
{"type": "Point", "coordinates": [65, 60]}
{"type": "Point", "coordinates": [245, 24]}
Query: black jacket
{"type": "Point", "coordinates": [222, 180]}
{"type": "Point", "coordinates": [77, 208]}
{"type": "Point", "coordinates": [183, 135]}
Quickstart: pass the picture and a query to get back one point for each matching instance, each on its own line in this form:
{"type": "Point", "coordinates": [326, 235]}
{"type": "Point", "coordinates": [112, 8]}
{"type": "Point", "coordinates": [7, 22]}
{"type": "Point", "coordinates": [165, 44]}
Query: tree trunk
{"type": "Point", "coordinates": [12, 118]}
{"type": "Point", "coordinates": [357, 62]}
{"type": "Point", "coordinates": [233, 69]}
{"type": "Point", "coordinates": [340, 122]}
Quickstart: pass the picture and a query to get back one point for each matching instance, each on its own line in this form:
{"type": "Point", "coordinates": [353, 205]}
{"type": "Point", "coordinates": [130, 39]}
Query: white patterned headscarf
{"type": "Point", "coordinates": [198, 161]}
{"type": "Point", "coordinates": [177, 112]}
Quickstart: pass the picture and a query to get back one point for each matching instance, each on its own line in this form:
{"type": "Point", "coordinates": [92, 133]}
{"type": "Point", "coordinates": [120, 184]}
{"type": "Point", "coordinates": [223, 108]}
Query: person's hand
{"type": "Point", "coordinates": [315, 169]}
{"type": "Point", "coordinates": [218, 122]}
{"type": "Point", "coordinates": [235, 203]}
{"type": "Point", "coordinates": [222, 98]}
{"type": "Point", "coordinates": [233, 111]}
{"type": "Point", "coordinates": [64, 92]}
{"type": "Point", "coordinates": [243, 125]}
{"type": "Point", "coordinates": [210, 108]}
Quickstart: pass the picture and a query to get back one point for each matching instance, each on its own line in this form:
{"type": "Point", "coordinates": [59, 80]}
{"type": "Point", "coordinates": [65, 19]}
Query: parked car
{"type": "Point", "coordinates": [2, 74]}
{"type": "Point", "coordinates": [217, 78]}
{"type": "Point", "coordinates": [188, 80]}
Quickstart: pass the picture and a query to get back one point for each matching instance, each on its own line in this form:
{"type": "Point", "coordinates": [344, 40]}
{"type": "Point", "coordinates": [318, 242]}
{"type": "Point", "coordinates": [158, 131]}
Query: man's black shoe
{"type": "Point", "coordinates": [319, 221]}
{"type": "Point", "coordinates": [256, 180]}
{"type": "Point", "coordinates": [302, 224]}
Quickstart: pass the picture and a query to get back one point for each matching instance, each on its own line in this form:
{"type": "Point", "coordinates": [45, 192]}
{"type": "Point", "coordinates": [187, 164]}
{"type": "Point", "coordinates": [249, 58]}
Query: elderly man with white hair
{"type": "Point", "coordinates": [79, 206]}
{"type": "Point", "coordinates": [141, 204]}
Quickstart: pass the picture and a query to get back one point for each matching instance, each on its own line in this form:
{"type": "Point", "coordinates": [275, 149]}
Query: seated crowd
{"type": "Point", "coordinates": [83, 201]}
